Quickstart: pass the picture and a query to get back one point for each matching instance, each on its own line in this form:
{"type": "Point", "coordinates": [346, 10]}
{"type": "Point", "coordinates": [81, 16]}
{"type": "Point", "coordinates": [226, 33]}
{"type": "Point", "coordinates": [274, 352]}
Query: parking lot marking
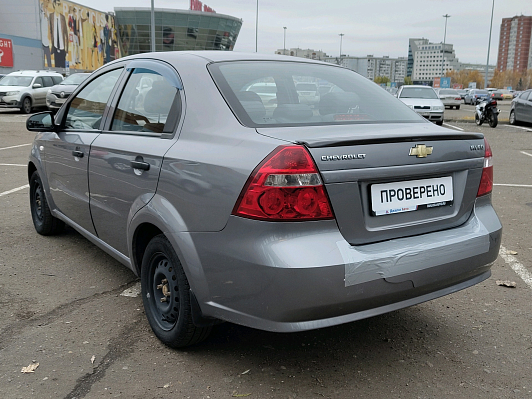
{"type": "Point", "coordinates": [14, 190]}
{"type": "Point", "coordinates": [519, 127]}
{"type": "Point", "coordinates": [513, 185]}
{"type": "Point", "coordinates": [517, 267]}
{"type": "Point", "coordinates": [526, 153]}
{"type": "Point", "coordinates": [11, 164]}
{"type": "Point", "coordinates": [14, 146]}
{"type": "Point", "coordinates": [454, 127]}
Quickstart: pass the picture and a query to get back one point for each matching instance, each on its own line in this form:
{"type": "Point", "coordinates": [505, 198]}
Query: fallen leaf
{"type": "Point", "coordinates": [30, 369]}
{"type": "Point", "coordinates": [506, 283]}
{"type": "Point", "coordinates": [247, 371]}
{"type": "Point", "coordinates": [93, 358]}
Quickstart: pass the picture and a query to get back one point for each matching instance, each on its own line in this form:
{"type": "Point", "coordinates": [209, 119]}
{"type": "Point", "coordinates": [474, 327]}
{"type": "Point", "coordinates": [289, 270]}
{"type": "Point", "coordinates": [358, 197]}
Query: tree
{"type": "Point", "coordinates": [381, 79]}
{"type": "Point", "coordinates": [408, 80]}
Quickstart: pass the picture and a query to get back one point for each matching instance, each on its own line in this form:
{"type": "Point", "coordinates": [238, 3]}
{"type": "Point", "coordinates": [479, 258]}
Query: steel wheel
{"type": "Point", "coordinates": [512, 120]}
{"type": "Point", "coordinates": [166, 296]}
{"type": "Point", "coordinates": [43, 220]}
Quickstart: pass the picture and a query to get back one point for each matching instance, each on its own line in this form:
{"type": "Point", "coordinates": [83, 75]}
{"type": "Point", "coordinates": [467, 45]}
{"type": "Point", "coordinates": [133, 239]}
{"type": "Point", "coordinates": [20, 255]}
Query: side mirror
{"type": "Point", "coordinates": [37, 85]}
{"type": "Point", "coordinates": [41, 122]}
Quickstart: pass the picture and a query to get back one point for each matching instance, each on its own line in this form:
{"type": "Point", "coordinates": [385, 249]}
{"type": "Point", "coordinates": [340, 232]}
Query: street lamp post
{"type": "Point", "coordinates": [446, 16]}
{"type": "Point", "coordinates": [152, 27]}
{"type": "Point", "coordinates": [489, 43]}
{"type": "Point", "coordinates": [341, 37]}
{"type": "Point", "coordinates": [257, 28]}
{"type": "Point", "coordinates": [284, 42]}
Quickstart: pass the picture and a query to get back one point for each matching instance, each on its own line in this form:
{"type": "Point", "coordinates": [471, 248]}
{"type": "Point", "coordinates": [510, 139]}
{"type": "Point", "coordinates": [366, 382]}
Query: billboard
{"type": "Point", "coordinates": [80, 36]}
{"type": "Point", "coordinates": [6, 53]}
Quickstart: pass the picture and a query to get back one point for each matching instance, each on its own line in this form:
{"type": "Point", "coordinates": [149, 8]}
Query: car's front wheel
{"type": "Point", "coordinates": [43, 220]}
{"type": "Point", "coordinates": [512, 120]}
{"type": "Point", "coordinates": [166, 296]}
{"type": "Point", "coordinates": [26, 106]}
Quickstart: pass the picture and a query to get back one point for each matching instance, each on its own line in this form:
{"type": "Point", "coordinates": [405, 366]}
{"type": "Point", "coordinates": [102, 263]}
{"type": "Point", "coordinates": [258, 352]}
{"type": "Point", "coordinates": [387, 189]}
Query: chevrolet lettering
{"type": "Point", "coordinates": [342, 157]}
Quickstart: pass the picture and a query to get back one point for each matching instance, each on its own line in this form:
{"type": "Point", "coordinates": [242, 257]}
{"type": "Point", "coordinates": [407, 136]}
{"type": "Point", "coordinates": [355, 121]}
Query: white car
{"type": "Point", "coordinates": [449, 97]}
{"type": "Point", "coordinates": [27, 89]}
{"type": "Point", "coordinates": [423, 100]}
{"type": "Point", "coordinates": [308, 93]}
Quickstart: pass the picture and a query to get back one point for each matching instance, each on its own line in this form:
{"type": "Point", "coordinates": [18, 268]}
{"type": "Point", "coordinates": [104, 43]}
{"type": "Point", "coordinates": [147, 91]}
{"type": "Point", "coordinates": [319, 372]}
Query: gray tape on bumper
{"type": "Point", "coordinates": [406, 255]}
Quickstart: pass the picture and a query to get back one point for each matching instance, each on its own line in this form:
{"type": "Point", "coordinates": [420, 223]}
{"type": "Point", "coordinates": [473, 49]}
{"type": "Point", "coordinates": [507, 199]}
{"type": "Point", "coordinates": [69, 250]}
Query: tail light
{"type": "Point", "coordinates": [285, 186]}
{"type": "Point", "coordinates": [486, 181]}
{"type": "Point", "coordinates": [458, 98]}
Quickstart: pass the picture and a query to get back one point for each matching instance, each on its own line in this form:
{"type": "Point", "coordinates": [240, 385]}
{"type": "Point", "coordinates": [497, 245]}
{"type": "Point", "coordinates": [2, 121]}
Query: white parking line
{"type": "Point", "coordinates": [14, 146]}
{"type": "Point", "coordinates": [11, 164]}
{"type": "Point", "coordinates": [454, 127]}
{"type": "Point", "coordinates": [513, 185]}
{"type": "Point", "coordinates": [14, 190]}
{"type": "Point", "coordinates": [519, 127]}
{"type": "Point", "coordinates": [526, 153]}
{"type": "Point", "coordinates": [517, 267]}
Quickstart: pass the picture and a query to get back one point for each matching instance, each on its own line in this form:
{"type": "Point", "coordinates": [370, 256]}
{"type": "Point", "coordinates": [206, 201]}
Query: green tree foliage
{"type": "Point", "coordinates": [381, 79]}
{"type": "Point", "coordinates": [408, 80]}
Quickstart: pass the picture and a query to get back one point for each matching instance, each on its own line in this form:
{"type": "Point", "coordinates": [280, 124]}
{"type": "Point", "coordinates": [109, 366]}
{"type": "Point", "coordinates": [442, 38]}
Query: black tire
{"type": "Point", "coordinates": [439, 123]}
{"type": "Point", "coordinates": [512, 120]}
{"type": "Point", "coordinates": [26, 106]}
{"type": "Point", "coordinates": [457, 107]}
{"type": "Point", "coordinates": [493, 120]}
{"type": "Point", "coordinates": [478, 121]}
{"type": "Point", "coordinates": [163, 277]}
{"type": "Point", "coordinates": [43, 220]}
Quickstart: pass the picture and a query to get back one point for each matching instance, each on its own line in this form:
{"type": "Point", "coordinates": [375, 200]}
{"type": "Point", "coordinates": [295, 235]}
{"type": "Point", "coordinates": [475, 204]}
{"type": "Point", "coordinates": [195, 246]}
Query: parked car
{"type": "Point", "coordinates": [267, 93]}
{"type": "Point", "coordinates": [57, 95]}
{"type": "Point", "coordinates": [423, 100]}
{"type": "Point", "coordinates": [27, 89]}
{"type": "Point", "coordinates": [506, 94]}
{"type": "Point", "coordinates": [475, 96]}
{"type": "Point", "coordinates": [299, 218]}
{"type": "Point", "coordinates": [521, 108]}
{"type": "Point", "coordinates": [495, 95]}
{"type": "Point", "coordinates": [308, 93]}
{"type": "Point", "coordinates": [462, 93]}
{"type": "Point", "coordinates": [449, 97]}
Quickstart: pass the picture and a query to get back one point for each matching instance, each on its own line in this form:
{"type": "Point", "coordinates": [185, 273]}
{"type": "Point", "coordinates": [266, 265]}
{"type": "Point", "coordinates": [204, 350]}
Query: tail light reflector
{"type": "Point", "coordinates": [285, 186]}
{"type": "Point", "coordinates": [486, 181]}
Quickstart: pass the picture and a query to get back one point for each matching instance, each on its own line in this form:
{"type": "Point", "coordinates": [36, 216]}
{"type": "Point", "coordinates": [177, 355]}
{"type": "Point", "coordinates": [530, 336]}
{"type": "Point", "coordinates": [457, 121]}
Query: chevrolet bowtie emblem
{"type": "Point", "coordinates": [420, 151]}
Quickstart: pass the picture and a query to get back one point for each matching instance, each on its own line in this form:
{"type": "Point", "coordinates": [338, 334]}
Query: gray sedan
{"type": "Point", "coordinates": [282, 218]}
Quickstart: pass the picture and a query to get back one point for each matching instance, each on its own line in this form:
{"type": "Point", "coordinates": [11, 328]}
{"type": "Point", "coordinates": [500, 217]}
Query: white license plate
{"type": "Point", "coordinates": [406, 196]}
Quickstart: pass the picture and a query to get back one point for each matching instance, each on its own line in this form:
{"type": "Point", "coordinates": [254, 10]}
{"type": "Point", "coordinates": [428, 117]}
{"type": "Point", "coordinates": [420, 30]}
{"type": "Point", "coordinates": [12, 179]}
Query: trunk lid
{"type": "Point", "coordinates": [366, 168]}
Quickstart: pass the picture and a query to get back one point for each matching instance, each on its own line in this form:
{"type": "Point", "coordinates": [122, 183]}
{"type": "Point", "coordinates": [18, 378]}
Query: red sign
{"type": "Point", "coordinates": [197, 5]}
{"type": "Point", "coordinates": [6, 52]}
{"type": "Point", "coordinates": [436, 83]}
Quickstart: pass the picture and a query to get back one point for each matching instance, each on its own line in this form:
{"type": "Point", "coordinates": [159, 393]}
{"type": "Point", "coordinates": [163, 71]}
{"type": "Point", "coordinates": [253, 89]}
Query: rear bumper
{"type": "Point", "coordinates": [293, 276]}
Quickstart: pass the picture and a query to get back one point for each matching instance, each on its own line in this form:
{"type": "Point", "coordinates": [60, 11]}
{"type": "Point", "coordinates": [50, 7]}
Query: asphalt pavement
{"type": "Point", "coordinates": [73, 315]}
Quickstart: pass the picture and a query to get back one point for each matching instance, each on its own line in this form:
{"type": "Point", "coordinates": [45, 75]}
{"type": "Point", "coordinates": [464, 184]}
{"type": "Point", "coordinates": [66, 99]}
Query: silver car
{"type": "Point", "coordinates": [423, 100]}
{"type": "Point", "coordinates": [57, 95]}
{"type": "Point", "coordinates": [449, 97]}
{"type": "Point", "coordinates": [283, 218]}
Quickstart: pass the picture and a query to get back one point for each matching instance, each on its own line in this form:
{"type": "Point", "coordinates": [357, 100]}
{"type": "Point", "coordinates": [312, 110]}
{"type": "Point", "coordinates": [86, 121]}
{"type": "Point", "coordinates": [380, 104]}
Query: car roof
{"type": "Point", "coordinates": [34, 73]}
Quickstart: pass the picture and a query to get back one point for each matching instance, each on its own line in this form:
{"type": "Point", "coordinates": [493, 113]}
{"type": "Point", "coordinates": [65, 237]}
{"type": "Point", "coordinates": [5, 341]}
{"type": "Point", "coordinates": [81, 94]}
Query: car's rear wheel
{"type": "Point", "coordinates": [166, 296]}
{"type": "Point", "coordinates": [43, 220]}
{"type": "Point", "coordinates": [457, 107]}
{"type": "Point", "coordinates": [26, 106]}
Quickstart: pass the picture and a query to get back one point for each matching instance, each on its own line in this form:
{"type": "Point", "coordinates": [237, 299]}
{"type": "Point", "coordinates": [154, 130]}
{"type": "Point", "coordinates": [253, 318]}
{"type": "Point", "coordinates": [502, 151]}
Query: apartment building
{"type": "Point", "coordinates": [515, 44]}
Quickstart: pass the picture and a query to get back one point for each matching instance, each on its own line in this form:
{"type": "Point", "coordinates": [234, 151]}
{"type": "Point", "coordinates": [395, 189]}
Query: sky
{"type": "Point", "coordinates": [376, 27]}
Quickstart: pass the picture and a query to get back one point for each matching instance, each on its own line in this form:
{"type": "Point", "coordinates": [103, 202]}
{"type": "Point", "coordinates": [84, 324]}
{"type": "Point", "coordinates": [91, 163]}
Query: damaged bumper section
{"type": "Point", "coordinates": [296, 278]}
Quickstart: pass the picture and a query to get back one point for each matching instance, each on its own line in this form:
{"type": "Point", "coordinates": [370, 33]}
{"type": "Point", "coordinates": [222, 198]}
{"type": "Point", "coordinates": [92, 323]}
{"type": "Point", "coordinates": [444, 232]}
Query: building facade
{"type": "Point", "coordinates": [303, 53]}
{"type": "Point", "coordinates": [372, 67]}
{"type": "Point", "coordinates": [69, 37]}
{"type": "Point", "coordinates": [515, 44]}
{"type": "Point", "coordinates": [427, 61]}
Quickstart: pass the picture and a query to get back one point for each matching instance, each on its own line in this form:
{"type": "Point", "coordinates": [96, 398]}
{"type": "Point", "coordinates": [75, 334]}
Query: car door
{"type": "Point", "coordinates": [39, 93]}
{"type": "Point", "coordinates": [125, 160]}
{"type": "Point", "coordinates": [67, 151]}
{"type": "Point", "coordinates": [527, 107]}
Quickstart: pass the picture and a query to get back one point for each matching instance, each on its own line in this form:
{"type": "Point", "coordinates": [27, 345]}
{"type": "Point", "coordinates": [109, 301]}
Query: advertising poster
{"type": "Point", "coordinates": [80, 36]}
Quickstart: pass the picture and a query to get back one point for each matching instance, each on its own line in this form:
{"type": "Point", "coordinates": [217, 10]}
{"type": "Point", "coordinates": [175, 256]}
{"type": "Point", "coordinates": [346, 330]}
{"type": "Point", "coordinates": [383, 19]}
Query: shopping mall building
{"type": "Point", "coordinates": [70, 37]}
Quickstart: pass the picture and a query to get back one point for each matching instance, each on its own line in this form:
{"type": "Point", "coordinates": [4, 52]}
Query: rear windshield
{"type": "Point", "coordinates": [418, 92]}
{"type": "Point", "coordinates": [480, 92]}
{"type": "Point", "coordinates": [276, 93]}
{"type": "Point", "coordinates": [23, 81]}
{"type": "Point", "coordinates": [453, 92]}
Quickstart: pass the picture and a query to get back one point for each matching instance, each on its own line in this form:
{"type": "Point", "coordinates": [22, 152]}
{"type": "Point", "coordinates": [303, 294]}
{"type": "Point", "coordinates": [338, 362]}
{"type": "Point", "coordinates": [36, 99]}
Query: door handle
{"type": "Point", "coordinates": [78, 154]}
{"type": "Point", "coordinates": [140, 165]}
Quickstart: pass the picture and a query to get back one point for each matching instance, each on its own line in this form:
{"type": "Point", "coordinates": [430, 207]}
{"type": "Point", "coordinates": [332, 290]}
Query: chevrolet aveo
{"type": "Point", "coordinates": [283, 217]}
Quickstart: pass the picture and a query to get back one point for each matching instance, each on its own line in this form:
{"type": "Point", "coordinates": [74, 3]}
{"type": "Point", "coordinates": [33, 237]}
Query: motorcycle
{"type": "Point", "coordinates": [487, 111]}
